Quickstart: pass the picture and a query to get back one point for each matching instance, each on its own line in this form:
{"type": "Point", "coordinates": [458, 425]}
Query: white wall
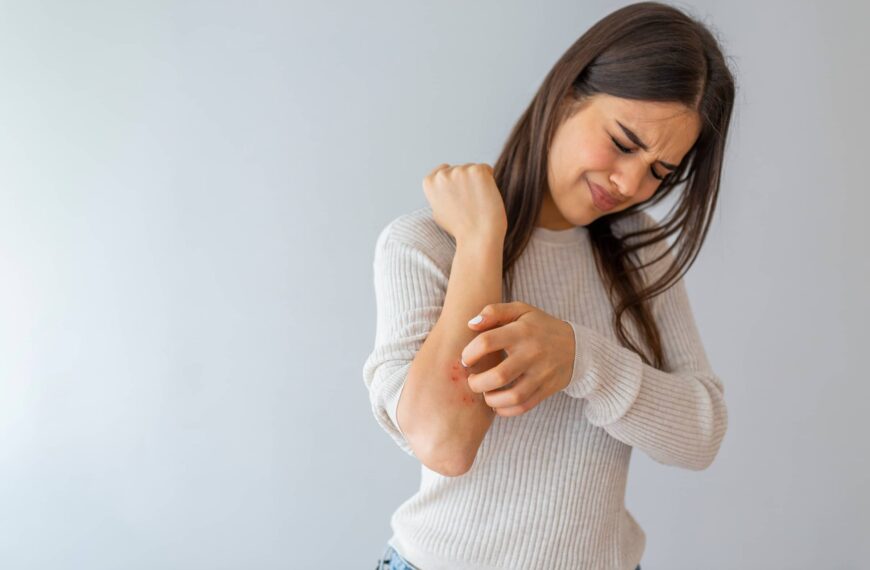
{"type": "Point", "coordinates": [189, 198]}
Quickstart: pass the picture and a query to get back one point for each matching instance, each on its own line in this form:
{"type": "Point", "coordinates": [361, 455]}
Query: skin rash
{"type": "Point", "coordinates": [457, 373]}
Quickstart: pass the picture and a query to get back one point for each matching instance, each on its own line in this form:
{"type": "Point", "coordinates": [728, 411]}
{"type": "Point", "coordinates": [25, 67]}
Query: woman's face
{"type": "Point", "coordinates": [585, 154]}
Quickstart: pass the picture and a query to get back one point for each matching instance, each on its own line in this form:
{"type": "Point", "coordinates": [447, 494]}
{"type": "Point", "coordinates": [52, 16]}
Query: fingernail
{"type": "Point", "coordinates": [463, 362]}
{"type": "Point", "coordinates": [475, 320]}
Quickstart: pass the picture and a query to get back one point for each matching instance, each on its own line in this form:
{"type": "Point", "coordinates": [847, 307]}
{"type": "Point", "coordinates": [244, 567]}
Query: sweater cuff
{"type": "Point", "coordinates": [605, 373]}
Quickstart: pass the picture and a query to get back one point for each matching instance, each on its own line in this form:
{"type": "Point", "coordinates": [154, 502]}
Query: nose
{"type": "Point", "coordinates": [628, 178]}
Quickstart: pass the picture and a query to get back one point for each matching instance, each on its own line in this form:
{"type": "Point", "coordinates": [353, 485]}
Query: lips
{"type": "Point", "coordinates": [603, 200]}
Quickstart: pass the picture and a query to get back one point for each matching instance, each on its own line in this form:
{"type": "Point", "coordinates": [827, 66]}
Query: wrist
{"type": "Point", "coordinates": [483, 240]}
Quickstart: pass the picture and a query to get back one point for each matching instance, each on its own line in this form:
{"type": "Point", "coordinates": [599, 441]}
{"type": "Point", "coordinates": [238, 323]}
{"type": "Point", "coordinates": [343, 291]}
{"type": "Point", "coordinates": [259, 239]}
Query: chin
{"type": "Point", "coordinates": [584, 219]}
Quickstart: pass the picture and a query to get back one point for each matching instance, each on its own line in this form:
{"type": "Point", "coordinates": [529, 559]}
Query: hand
{"type": "Point", "coordinates": [465, 201]}
{"type": "Point", "coordinates": [540, 359]}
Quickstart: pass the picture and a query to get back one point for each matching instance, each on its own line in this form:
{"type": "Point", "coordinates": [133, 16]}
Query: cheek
{"type": "Point", "coordinates": [651, 191]}
{"type": "Point", "coordinates": [646, 191]}
{"type": "Point", "coordinates": [598, 158]}
{"type": "Point", "coordinates": [583, 158]}
{"type": "Point", "coordinates": [591, 159]}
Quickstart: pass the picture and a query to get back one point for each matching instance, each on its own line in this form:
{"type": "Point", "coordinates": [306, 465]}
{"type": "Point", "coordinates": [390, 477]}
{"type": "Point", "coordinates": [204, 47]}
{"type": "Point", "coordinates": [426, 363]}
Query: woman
{"type": "Point", "coordinates": [584, 345]}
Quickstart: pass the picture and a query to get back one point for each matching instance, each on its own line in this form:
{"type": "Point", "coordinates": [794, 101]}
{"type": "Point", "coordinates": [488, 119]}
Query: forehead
{"type": "Point", "coordinates": [670, 129]}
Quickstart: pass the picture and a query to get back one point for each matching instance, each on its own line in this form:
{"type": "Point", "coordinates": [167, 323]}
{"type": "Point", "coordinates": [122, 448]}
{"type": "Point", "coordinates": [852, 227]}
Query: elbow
{"type": "Point", "coordinates": [449, 468]}
{"type": "Point", "coordinates": [701, 453]}
{"type": "Point", "coordinates": [715, 431]}
{"type": "Point", "coordinates": [705, 457]}
{"type": "Point", "coordinates": [439, 450]}
{"type": "Point", "coordinates": [442, 460]}
{"type": "Point", "coordinates": [701, 463]}
{"type": "Point", "coordinates": [697, 460]}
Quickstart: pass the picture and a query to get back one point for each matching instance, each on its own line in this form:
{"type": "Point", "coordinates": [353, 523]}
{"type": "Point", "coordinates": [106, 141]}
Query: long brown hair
{"type": "Point", "coordinates": [645, 51]}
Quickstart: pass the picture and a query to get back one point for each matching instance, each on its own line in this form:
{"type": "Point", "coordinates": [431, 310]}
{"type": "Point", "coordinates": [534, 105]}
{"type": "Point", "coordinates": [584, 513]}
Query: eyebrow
{"type": "Point", "coordinates": [636, 140]}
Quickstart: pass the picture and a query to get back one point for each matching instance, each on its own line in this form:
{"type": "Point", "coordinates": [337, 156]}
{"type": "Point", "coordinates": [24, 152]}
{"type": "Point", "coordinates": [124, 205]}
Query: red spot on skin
{"type": "Point", "coordinates": [458, 372]}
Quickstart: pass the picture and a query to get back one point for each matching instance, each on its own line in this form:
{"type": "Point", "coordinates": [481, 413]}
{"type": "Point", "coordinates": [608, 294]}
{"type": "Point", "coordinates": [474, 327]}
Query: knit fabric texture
{"type": "Point", "coordinates": [547, 488]}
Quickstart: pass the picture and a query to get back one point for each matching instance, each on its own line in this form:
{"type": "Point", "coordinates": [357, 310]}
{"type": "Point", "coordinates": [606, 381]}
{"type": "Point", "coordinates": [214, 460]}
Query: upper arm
{"type": "Point", "coordinates": [410, 287]}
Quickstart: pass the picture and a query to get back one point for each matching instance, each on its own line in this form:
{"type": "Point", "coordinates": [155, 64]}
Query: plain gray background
{"type": "Point", "coordinates": [190, 194]}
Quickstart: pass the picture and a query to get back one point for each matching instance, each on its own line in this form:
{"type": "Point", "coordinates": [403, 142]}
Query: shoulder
{"type": "Point", "coordinates": [417, 231]}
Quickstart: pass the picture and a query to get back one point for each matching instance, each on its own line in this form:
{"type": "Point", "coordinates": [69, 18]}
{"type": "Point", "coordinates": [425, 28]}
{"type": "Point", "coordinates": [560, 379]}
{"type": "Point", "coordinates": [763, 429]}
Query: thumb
{"type": "Point", "coordinates": [498, 314]}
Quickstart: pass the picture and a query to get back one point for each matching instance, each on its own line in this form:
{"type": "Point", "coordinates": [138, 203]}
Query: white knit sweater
{"type": "Point", "coordinates": [547, 488]}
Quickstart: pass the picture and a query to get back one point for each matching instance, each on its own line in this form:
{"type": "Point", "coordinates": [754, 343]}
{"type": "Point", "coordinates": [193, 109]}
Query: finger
{"type": "Point", "coordinates": [437, 168]}
{"type": "Point", "coordinates": [515, 394]}
{"type": "Point", "coordinates": [509, 411]}
{"type": "Point", "coordinates": [499, 376]}
{"type": "Point", "coordinates": [486, 342]}
{"type": "Point", "coordinates": [496, 314]}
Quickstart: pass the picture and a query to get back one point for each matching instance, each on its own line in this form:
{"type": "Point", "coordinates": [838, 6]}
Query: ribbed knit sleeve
{"type": "Point", "coordinates": [677, 415]}
{"type": "Point", "coordinates": [410, 287]}
{"type": "Point", "coordinates": [547, 487]}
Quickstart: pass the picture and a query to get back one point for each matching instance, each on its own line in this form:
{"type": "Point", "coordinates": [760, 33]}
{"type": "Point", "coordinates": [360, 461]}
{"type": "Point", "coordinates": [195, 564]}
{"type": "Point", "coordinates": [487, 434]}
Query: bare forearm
{"type": "Point", "coordinates": [443, 419]}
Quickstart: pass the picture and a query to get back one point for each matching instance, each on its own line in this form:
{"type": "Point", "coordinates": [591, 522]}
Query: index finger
{"type": "Point", "coordinates": [493, 340]}
{"type": "Point", "coordinates": [437, 168]}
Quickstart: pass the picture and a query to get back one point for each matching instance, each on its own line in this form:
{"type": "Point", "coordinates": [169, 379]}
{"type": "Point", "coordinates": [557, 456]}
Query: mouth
{"type": "Point", "coordinates": [602, 199]}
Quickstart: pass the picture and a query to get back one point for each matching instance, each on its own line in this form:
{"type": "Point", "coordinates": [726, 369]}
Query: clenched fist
{"type": "Point", "coordinates": [465, 201]}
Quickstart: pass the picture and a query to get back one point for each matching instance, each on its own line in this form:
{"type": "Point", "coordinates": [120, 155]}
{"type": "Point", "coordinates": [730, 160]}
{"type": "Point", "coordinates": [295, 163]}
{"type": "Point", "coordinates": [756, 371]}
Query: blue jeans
{"type": "Point", "coordinates": [390, 560]}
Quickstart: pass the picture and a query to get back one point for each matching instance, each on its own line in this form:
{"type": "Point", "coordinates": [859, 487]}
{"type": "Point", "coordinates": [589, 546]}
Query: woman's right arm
{"type": "Point", "coordinates": [442, 418]}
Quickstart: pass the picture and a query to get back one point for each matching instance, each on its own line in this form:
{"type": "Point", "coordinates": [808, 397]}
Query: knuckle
{"type": "Point", "coordinates": [523, 395]}
{"type": "Point", "coordinates": [524, 328]}
{"type": "Point", "coordinates": [503, 397]}
{"type": "Point", "coordinates": [500, 376]}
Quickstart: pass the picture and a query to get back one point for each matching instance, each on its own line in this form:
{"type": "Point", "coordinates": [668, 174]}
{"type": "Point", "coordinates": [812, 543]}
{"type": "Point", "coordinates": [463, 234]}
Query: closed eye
{"type": "Point", "coordinates": [625, 150]}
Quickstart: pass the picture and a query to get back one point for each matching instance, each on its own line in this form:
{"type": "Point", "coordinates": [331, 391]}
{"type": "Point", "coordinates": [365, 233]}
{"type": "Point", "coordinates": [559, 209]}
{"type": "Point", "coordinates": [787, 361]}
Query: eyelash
{"type": "Point", "coordinates": [625, 150]}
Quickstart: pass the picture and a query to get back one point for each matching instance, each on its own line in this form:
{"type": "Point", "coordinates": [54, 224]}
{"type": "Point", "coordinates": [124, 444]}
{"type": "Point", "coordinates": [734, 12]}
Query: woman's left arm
{"type": "Point", "coordinates": [676, 415]}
